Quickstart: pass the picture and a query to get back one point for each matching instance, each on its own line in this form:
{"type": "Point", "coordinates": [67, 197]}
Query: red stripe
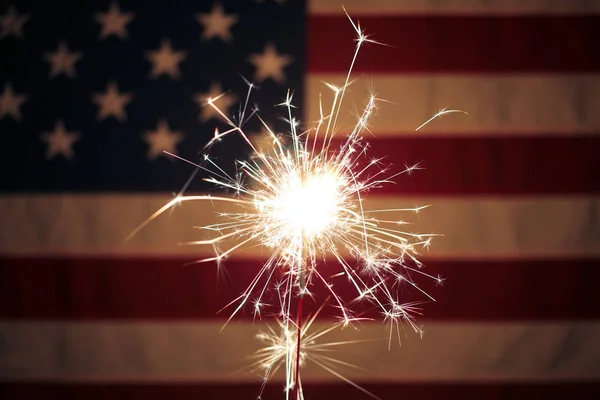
{"type": "Point", "coordinates": [491, 165]}
{"type": "Point", "coordinates": [163, 289]}
{"type": "Point", "coordinates": [457, 44]}
{"type": "Point", "coordinates": [421, 391]}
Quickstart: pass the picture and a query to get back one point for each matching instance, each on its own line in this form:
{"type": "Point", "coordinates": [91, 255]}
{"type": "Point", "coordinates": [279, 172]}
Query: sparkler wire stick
{"type": "Point", "coordinates": [299, 339]}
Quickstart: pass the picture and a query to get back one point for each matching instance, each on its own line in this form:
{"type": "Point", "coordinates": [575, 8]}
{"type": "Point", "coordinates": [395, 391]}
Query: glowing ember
{"type": "Point", "coordinates": [304, 208]}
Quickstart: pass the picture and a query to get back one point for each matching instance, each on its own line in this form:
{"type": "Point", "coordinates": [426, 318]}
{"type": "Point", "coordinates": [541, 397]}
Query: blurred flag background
{"type": "Point", "coordinates": [92, 93]}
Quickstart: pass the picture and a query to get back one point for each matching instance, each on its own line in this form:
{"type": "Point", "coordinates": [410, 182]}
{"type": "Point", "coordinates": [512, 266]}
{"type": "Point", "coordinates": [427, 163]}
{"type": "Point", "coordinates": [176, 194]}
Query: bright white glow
{"type": "Point", "coordinates": [305, 207]}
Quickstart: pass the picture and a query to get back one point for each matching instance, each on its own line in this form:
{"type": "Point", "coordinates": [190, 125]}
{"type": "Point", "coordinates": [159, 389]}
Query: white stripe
{"type": "Point", "coordinates": [111, 351]}
{"type": "Point", "coordinates": [361, 7]}
{"type": "Point", "coordinates": [538, 104]}
{"type": "Point", "coordinates": [472, 227]}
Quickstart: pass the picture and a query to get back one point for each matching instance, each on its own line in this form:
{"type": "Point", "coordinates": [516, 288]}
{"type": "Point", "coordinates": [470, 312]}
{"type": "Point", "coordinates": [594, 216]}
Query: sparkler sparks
{"type": "Point", "coordinates": [304, 201]}
{"type": "Point", "coordinates": [281, 349]}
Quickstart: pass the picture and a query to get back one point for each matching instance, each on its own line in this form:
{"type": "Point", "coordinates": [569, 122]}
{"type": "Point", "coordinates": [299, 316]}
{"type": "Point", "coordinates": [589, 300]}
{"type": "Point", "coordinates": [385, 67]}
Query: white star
{"type": "Point", "coordinates": [162, 139]}
{"type": "Point", "coordinates": [113, 22]}
{"type": "Point", "coordinates": [217, 23]}
{"type": "Point", "coordinates": [10, 103]}
{"type": "Point", "coordinates": [12, 23]}
{"type": "Point", "coordinates": [219, 99]}
{"type": "Point", "coordinates": [270, 64]}
{"type": "Point", "coordinates": [62, 61]}
{"type": "Point", "coordinates": [166, 61]}
{"type": "Point", "coordinates": [112, 103]}
{"type": "Point", "coordinates": [60, 141]}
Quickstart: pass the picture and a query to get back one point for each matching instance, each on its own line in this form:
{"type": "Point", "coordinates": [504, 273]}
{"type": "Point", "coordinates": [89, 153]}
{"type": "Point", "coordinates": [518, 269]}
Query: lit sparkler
{"type": "Point", "coordinates": [304, 201]}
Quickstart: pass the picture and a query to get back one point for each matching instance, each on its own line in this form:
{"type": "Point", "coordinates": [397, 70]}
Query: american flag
{"type": "Point", "coordinates": [92, 93]}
